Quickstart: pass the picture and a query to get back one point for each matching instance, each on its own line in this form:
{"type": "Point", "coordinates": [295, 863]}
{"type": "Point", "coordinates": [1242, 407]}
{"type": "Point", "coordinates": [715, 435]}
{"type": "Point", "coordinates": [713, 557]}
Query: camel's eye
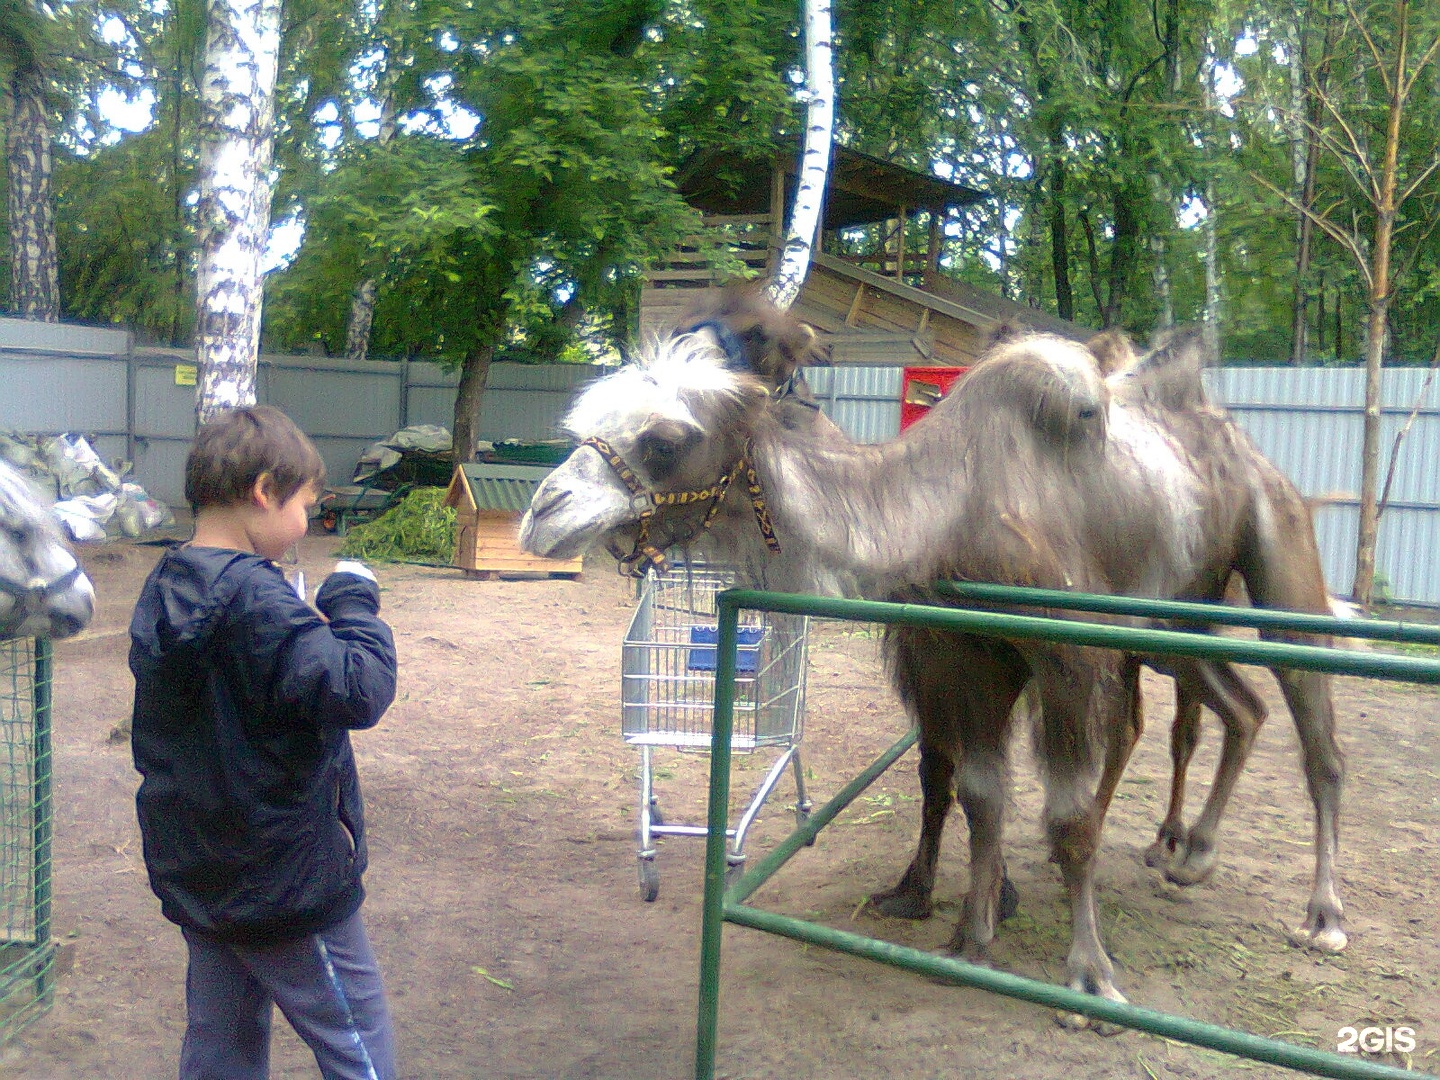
{"type": "Point", "coordinates": [661, 449]}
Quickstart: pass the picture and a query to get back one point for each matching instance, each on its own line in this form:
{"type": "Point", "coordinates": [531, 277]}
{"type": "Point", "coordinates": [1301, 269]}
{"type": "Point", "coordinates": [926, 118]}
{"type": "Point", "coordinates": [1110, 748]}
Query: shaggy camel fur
{"type": "Point", "coordinates": [42, 591]}
{"type": "Point", "coordinates": [1036, 470]}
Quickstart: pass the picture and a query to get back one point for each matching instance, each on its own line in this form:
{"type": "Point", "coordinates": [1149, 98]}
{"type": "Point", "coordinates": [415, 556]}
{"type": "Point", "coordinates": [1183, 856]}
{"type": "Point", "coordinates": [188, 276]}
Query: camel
{"type": "Point", "coordinates": [43, 592]}
{"type": "Point", "coordinates": [1035, 470]}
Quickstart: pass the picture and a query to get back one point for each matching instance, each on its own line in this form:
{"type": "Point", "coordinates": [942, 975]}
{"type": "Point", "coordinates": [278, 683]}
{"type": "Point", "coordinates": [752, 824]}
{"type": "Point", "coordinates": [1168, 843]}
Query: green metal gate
{"type": "Point", "coordinates": [722, 905]}
{"type": "Point", "coordinates": [27, 955]}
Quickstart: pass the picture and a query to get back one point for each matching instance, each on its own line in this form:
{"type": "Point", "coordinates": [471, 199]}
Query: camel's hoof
{"type": "Point", "coordinates": [1328, 939]}
{"type": "Point", "coordinates": [1080, 1022]}
{"type": "Point", "coordinates": [1009, 901]}
{"type": "Point", "coordinates": [896, 904]}
{"type": "Point", "coordinates": [1189, 873]}
{"type": "Point", "coordinates": [1169, 842]}
{"type": "Point", "coordinates": [1191, 862]}
{"type": "Point", "coordinates": [1159, 855]}
{"type": "Point", "coordinates": [970, 951]}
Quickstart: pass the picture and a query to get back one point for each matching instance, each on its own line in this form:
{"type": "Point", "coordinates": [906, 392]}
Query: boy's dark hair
{"type": "Point", "coordinates": [236, 448]}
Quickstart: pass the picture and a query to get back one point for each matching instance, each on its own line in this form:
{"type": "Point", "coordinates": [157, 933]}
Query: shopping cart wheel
{"type": "Point", "coordinates": [649, 880]}
{"type": "Point", "coordinates": [802, 818]}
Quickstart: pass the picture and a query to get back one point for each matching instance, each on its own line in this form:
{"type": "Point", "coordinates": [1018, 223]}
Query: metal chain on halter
{"type": "Point", "coordinates": [644, 549]}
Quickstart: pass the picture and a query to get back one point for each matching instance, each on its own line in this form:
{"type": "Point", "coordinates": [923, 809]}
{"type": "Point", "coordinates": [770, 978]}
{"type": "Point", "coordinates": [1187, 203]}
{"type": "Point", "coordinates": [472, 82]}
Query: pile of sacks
{"type": "Point", "coordinates": [89, 498]}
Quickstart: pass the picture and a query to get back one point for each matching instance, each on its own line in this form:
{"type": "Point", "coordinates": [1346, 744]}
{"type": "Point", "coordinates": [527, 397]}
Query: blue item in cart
{"type": "Point", "coordinates": [747, 656]}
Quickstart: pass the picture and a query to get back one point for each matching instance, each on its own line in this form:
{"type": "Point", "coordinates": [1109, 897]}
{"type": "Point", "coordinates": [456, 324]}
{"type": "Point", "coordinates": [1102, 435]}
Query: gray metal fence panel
{"type": "Point", "coordinates": [1310, 422]}
{"type": "Point", "coordinates": [62, 393]}
{"type": "Point", "coordinates": [863, 400]}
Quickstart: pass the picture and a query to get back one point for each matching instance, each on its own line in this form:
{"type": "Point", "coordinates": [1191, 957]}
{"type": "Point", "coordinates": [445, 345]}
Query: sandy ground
{"type": "Point", "coordinates": [504, 903]}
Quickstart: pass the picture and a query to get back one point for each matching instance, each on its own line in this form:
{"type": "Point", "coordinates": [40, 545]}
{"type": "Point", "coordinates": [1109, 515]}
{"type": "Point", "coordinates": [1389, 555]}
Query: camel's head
{"type": "Point", "coordinates": [42, 591]}
{"type": "Point", "coordinates": [674, 420]}
{"type": "Point", "coordinates": [1053, 386]}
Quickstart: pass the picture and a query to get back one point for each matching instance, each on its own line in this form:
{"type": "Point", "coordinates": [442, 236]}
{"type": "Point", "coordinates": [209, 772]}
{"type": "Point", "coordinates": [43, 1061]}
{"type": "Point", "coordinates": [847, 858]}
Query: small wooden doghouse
{"type": "Point", "coordinates": [489, 501]}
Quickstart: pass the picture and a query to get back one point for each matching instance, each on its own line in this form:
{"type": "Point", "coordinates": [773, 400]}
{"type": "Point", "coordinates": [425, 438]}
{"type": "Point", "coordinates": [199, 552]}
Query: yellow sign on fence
{"type": "Point", "coordinates": [185, 374]}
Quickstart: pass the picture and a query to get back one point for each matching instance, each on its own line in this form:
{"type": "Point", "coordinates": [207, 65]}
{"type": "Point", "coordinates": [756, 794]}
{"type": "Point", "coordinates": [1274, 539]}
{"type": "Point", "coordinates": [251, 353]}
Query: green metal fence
{"type": "Point", "coordinates": [27, 955]}
{"type": "Point", "coordinates": [722, 905]}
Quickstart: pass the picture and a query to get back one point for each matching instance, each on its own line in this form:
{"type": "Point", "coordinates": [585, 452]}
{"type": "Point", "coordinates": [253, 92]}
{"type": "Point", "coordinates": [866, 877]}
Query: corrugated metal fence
{"type": "Point", "coordinates": [1308, 421]}
{"type": "Point", "coordinates": [136, 404]}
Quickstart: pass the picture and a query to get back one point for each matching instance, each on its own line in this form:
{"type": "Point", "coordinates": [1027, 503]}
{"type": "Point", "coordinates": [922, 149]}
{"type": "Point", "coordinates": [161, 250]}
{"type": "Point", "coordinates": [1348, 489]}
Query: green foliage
{"type": "Point", "coordinates": [559, 196]}
{"type": "Point", "coordinates": [417, 529]}
{"type": "Point", "coordinates": [125, 241]}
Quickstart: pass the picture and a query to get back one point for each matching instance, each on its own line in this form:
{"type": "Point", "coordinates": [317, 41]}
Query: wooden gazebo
{"type": "Point", "coordinates": [888, 305]}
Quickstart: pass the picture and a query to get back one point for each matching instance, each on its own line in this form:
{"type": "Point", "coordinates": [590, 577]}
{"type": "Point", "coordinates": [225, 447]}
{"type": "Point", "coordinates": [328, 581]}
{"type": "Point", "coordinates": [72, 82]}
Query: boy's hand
{"type": "Point", "coordinates": [359, 569]}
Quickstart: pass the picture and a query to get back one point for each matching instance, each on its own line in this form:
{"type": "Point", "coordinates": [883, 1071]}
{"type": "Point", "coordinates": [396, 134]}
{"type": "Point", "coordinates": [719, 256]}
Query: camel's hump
{"type": "Point", "coordinates": [1169, 373]}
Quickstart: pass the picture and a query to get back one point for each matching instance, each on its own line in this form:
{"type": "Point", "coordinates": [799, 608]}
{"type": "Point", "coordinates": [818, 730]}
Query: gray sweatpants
{"type": "Point", "coordinates": [327, 986]}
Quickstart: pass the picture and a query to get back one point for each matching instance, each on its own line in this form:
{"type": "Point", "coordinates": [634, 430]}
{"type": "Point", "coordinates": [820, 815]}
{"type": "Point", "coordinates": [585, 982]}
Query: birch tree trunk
{"type": "Point", "coordinates": [237, 125]}
{"type": "Point", "coordinates": [34, 281]}
{"type": "Point", "coordinates": [362, 315]}
{"type": "Point", "coordinates": [1210, 320]}
{"type": "Point", "coordinates": [362, 300]}
{"type": "Point", "coordinates": [1162, 282]}
{"type": "Point", "coordinates": [794, 260]}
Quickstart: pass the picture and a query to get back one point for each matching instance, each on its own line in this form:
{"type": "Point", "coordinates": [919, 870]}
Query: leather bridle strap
{"type": "Point", "coordinates": [646, 502]}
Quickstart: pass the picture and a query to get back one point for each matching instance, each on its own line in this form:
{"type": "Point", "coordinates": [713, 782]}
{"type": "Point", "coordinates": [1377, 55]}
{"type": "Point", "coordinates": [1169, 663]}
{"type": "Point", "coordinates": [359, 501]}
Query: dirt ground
{"type": "Point", "coordinates": [503, 899]}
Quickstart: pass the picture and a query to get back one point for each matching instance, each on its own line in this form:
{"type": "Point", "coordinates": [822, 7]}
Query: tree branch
{"type": "Point", "coordinates": [1342, 237]}
{"type": "Point", "coordinates": [1374, 49]}
{"type": "Point", "coordinates": [1409, 84]}
{"type": "Point", "coordinates": [1405, 430]}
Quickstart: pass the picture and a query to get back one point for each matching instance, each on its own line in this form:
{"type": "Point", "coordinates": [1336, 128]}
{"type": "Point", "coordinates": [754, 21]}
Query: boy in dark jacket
{"type": "Point", "coordinates": [250, 805]}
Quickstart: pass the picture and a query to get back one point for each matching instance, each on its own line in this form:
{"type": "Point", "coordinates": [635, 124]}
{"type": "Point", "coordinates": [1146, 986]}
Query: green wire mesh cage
{"type": "Point", "coordinates": [27, 955]}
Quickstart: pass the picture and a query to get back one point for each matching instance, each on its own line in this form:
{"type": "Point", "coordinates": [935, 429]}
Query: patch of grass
{"type": "Point", "coordinates": [417, 529]}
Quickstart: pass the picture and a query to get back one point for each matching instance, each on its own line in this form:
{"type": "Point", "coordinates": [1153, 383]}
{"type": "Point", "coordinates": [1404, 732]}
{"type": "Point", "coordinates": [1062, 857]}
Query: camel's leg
{"type": "Point", "coordinates": [1184, 738]}
{"type": "Point", "coordinates": [1074, 804]}
{"type": "Point", "coordinates": [982, 790]}
{"type": "Point", "coordinates": [1122, 743]}
{"type": "Point", "coordinates": [1241, 713]}
{"type": "Point", "coordinates": [1282, 570]}
{"type": "Point", "coordinates": [949, 683]}
{"type": "Point", "coordinates": [911, 896]}
{"type": "Point", "coordinates": [1308, 695]}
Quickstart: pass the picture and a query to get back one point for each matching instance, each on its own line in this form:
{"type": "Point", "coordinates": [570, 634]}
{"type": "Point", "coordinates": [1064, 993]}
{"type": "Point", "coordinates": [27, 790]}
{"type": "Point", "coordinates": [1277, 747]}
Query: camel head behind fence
{"type": "Point", "coordinates": [43, 592]}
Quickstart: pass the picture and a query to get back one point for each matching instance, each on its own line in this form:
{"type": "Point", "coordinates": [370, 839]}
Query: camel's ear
{"type": "Point", "coordinates": [1170, 372]}
{"type": "Point", "coordinates": [754, 335]}
{"type": "Point", "coordinates": [1112, 351]}
{"type": "Point", "coordinates": [1002, 333]}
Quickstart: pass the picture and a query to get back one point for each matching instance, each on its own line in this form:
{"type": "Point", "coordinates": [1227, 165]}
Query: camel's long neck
{"type": "Point", "coordinates": [846, 515]}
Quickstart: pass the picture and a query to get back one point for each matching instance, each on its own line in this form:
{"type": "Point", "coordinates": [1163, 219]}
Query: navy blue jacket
{"type": "Point", "coordinates": [250, 805]}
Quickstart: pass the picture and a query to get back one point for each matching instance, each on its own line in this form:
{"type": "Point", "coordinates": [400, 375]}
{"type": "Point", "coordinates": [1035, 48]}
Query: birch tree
{"type": "Point", "coordinates": [237, 103]}
{"type": "Point", "coordinates": [819, 95]}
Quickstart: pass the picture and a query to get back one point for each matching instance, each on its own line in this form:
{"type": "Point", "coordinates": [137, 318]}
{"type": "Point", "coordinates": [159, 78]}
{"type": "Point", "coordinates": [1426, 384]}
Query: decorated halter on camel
{"type": "Point", "coordinates": [647, 502]}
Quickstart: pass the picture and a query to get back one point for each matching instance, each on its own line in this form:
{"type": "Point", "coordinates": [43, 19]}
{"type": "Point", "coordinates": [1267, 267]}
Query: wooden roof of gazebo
{"type": "Point", "coordinates": [861, 189]}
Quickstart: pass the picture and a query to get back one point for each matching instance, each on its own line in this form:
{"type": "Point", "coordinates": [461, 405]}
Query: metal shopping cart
{"type": "Point", "coordinates": [668, 689]}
